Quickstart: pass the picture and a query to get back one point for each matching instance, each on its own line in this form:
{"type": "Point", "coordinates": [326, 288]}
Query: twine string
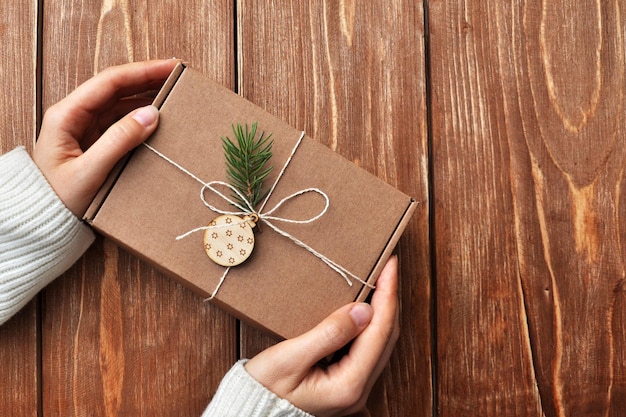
{"type": "Point", "coordinates": [267, 217]}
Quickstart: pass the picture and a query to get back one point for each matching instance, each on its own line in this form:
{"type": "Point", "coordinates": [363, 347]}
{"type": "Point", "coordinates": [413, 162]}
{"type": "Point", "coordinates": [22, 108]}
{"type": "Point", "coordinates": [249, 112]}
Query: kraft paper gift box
{"type": "Point", "coordinates": [283, 287]}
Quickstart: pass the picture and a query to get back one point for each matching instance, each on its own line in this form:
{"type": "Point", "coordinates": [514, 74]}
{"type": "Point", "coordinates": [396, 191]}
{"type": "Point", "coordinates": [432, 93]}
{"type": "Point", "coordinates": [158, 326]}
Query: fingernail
{"type": "Point", "coordinates": [146, 116]}
{"type": "Point", "coordinates": [361, 314]}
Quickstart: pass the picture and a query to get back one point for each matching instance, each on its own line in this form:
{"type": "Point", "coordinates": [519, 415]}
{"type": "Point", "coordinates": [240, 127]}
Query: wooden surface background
{"type": "Point", "coordinates": [504, 119]}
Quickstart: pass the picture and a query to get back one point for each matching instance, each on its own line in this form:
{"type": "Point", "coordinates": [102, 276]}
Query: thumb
{"type": "Point", "coordinates": [119, 139]}
{"type": "Point", "coordinates": [333, 333]}
{"type": "Point", "coordinates": [282, 367]}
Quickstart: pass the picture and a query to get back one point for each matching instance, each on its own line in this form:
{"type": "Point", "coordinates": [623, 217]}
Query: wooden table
{"type": "Point", "coordinates": [504, 119]}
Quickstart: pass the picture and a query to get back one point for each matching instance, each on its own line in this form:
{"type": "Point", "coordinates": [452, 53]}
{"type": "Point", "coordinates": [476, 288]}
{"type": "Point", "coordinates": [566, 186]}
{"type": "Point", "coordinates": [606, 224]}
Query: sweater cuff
{"type": "Point", "coordinates": [40, 238]}
{"type": "Point", "coordinates": [241, 395]}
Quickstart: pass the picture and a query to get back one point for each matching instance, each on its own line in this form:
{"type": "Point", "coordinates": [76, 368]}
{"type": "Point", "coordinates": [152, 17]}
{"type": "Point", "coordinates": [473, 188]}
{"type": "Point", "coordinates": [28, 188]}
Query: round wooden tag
{"type": "Point", "coordinates": [230, 240]}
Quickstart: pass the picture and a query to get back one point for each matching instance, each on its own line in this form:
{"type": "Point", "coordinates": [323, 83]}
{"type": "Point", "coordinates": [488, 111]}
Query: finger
{"type": "Point", "coordinates": [331, 334]}
{"type": "Point", "coordinates": [118, 140]}
{"type": "Point", "coordinates": [367, 353]}
{"type": "Point", "coordinates": [121, 81]}
{"type": "Point", "coordinates": [286, 364]}
{"type": "Point", "coordinates": [120, 109]}
{"type": "Point", "coordinates": [384, 358]}
{"type": "Point", "coordinates": [100, 92]}
{"type": "Point", "coordinates": [105, 120]}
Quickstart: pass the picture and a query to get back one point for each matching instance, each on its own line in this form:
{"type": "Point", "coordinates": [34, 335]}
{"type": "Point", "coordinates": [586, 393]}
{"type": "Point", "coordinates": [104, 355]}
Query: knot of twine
{"type": "Point", "coordinates": [267, 217]}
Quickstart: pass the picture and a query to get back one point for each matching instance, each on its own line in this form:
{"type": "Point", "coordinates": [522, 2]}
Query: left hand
{"type": "Point", "coordinates": [79, 143]}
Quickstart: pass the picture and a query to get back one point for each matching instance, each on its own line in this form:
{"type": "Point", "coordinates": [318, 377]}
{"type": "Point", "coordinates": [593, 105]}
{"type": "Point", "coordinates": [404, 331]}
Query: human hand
{"type": "Point", "coordinates": [80, 140]}
{"type": "Point", "coordinates": [288, 368]}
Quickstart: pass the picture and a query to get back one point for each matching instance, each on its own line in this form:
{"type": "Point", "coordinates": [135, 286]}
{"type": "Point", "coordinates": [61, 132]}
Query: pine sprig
{"type": "Point", "coordinates": [245, 162]}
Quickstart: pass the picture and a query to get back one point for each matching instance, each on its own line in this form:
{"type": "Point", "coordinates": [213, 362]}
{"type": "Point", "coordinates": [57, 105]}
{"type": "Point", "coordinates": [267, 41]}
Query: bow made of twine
{"type": "Point", "coordinates": [267, 217]}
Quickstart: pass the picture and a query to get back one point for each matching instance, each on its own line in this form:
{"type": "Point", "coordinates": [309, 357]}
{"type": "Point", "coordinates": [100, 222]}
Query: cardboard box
{"type": "Point", "coordinates": [282, 287]}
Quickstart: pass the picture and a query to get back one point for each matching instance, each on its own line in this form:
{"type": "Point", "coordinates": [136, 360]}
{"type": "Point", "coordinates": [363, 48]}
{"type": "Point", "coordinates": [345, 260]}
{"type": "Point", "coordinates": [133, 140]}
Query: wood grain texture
{"type": "Point", "coordinates": [119, 338]}
{"type": "Point", "coordinates": [337, 71]}
{"type": "Point", "coordinates": [19, 370]}
{"type": "Point", "coordinates": [528, 179]}
{"type": "Point", "coordinates": [18, 54]}
{"type": "Point", "coordinates": [571, 133]}
{"type": "Point", "coordinates": [529, 209]}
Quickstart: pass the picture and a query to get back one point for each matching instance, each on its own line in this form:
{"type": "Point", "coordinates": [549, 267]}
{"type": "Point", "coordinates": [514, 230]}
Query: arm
{"type": "Point", "coordinates": [41, 234]}
{"type": "Point", "coordinates": [39, 237]}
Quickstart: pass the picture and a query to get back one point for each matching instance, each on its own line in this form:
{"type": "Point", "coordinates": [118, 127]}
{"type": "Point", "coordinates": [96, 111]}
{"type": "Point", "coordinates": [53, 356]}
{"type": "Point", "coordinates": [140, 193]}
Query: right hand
{"type": "Point", "coordinates": [289, 368]}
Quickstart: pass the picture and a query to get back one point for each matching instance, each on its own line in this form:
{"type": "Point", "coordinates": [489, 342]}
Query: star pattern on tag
{"type": "Point", "coordinates": [229, 240]}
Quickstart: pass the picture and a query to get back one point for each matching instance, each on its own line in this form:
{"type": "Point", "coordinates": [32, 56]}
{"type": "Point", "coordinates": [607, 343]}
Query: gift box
{"type": "Point", "coordinates": [322, 237]}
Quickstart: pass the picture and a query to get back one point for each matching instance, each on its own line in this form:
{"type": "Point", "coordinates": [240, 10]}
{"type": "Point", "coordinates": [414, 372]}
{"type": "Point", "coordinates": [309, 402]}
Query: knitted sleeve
{"type": "Point", "coordinates": [241, 395]}
{"type": "Point", "coordinates": [39, 237]}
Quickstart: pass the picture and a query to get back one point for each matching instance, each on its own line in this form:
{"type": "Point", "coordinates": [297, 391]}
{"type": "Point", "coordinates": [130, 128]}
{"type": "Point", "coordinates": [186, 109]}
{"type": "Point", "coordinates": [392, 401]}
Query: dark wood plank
{"type": "Point", "coordinates": [18, 39]}
{"type": "Point", "coordinates": [484, 355]}
{"type": "Point", "coordinates": [528, 187]}
{"type": "Point", "coordinates": [119, 338]}
{"type": "Point", "coordinates": [338, 71]}
{"type": "Point", "coordinates": [569, 141]}
{"type": "Point", "coordinates": [18, 356]}
{"type": "Point", "coordinates": [18, 337]}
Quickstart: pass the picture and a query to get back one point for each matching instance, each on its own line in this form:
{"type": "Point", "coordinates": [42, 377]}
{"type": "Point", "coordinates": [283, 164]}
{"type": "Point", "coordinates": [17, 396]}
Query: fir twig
{"type": "Point", "coordinates": [245, 162]}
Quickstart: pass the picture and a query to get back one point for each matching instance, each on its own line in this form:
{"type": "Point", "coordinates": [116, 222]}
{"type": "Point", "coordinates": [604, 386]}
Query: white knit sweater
{"type": "Point", "coordinates": [40, 239]}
